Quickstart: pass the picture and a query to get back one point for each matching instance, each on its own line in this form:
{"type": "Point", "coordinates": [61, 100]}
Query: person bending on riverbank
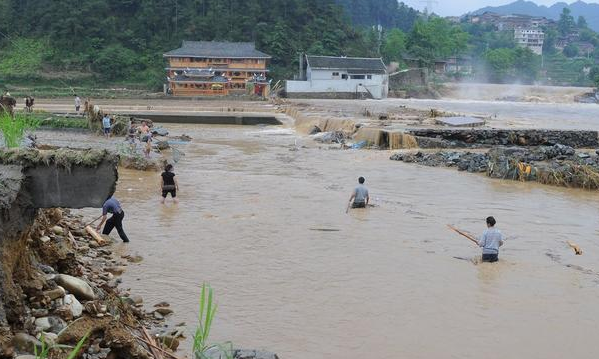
{"type": "Point", "coordinates": [168, 184]}
{"type": "Point", "coordinates": [490, 241]}
{"type": "Point", "coordinates": [113, 206]}
{"type": "Point", "coordinates": [360, 197]}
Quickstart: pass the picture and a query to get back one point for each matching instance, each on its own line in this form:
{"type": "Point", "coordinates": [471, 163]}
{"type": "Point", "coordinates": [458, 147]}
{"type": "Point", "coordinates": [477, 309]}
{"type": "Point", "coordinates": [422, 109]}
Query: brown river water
{"type": "Point", "coordinates": [265, 225]}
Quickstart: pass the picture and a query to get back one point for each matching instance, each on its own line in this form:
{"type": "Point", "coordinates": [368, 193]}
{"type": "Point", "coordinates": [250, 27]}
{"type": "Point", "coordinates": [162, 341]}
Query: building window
{"type": "Point", "coordinates": [344, 76]}
{"type": "Point", "coordinates": [335, 74]}
{"type": "Point", "coordinates": [369, 77]}
{"type": "Point", "coordinates": [357, 77]}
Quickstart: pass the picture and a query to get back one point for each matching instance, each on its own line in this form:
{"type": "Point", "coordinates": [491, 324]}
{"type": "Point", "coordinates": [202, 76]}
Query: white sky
{"type": "Point", "coordinates": [460, 7]}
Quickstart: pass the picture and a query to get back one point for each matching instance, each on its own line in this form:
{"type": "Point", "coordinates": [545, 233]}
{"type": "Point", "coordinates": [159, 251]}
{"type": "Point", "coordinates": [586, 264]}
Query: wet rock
{"type": "Point", "coordinates": [73, 305]}
{"type": "Point", "coordinates": [26, 343]}
{"type": "Point", "coordinates": [117, 270]}
{"type": "Point", "coordinates": [50, 324]}
{"type": "Point", "coordinates": [158, 316]}
{"type": "Point", "coordinates": [164, 311]}
{"type": "Point", "coordinates": [314, 130]}
{"type": "Point", "coordinates": [57, 230]}
{"type": "Point", "coordinates": [137, 299]}
{"type": "Point", "coordinates": [26, 356]}
{"type": "Point", "coordinates": [76, 286]}
{"type": "Point", "coordinates": [254, 354]}
{"type": "Point", "coordinates": [48, 337]}
{"type": "Point", "coordinates": [37, 313]}
{"type": "Point", "coordinates": [45, 239]}
{"type": "Point", "coordinates": [163, 304]}
{"type": "Point", "coordinates": [55, 293]}
{"type": "Point", "coordinates": [169, 341]}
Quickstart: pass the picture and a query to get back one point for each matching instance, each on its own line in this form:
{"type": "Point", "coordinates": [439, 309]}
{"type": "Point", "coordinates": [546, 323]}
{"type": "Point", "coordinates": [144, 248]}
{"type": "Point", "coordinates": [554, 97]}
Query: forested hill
{"type": "Point", "coordinates": [387, 13]}
{"type": "Point", "coordinates": [125, 39]}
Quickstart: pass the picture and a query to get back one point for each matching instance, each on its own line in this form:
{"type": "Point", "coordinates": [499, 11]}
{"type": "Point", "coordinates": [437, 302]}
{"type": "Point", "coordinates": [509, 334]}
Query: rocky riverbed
{"type": "Point", "coordinates": [66, 287]}
{"type": "Point", "coordinates": [556, 165]}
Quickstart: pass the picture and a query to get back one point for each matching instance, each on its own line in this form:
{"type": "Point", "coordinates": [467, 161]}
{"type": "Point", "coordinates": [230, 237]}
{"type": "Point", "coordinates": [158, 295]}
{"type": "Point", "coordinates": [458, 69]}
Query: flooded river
{"type": "Point", "coordinates": [265, 225]}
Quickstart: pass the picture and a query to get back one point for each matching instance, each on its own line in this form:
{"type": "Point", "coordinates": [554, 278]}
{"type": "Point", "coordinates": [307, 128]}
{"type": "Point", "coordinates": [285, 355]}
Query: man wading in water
{"type": "Point", "coordinates": [360, 196]}
{"type": "Point", "coordinates": [113, 206]}
{"type": "Point", "coordinates": [490, 241]}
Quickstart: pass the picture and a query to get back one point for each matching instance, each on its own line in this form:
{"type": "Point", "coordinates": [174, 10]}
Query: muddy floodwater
{"type": "Point", "coordinates": [262, 219]}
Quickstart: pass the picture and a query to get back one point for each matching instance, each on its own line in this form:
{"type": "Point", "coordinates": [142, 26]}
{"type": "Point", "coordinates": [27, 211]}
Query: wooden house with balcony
{"type": "Point", "coordinates": [206, 68]}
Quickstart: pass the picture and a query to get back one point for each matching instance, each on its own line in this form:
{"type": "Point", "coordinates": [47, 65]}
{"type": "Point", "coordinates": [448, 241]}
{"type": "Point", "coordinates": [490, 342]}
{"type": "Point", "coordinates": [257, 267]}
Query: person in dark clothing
{"type": "Point", "coordinates": [168, 183]}
{"type": "Point", "coordinates": [113, 206]}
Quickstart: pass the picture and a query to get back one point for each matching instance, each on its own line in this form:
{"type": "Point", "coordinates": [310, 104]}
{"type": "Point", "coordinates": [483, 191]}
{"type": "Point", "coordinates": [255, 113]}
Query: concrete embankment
{"type": "Point", "coordinates": [209, 118]}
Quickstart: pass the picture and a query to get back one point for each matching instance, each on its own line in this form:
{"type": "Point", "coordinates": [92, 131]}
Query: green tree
{"type": "Point", "coordinates": [436, 38]}
{"type": "Point", "coordinates": [526, 64]}
{"type": "Point", "coordinates": [566, 23]}
{"type": "Point", "coordinates": [581, 23]}
{"type": "Point", "coordinates": [571, 50]}
{"type": "Point", "coordinates": [23, 58]}
{"type": "Point", "coordinates": [394, 45]}
{"type": "Point", "coordinates": [594, 76]}
{"type": "Point", "coordinates": [499, 64]}
{"type": "Point", "coordinates": [115, 62]}
{"type": "Point", "coordinates": [550, 41]}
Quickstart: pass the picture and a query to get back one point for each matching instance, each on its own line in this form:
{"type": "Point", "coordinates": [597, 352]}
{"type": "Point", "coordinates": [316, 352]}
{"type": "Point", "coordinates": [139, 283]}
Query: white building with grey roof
{"type": "Point", "coordinates": [340, 77]}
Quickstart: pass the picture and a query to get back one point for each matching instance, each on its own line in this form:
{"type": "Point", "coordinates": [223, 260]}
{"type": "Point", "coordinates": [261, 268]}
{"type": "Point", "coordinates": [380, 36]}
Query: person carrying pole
{"type": "Point", "coordinates": [360, 197]}
{"type": "Point", "coordinates": [490, 241]}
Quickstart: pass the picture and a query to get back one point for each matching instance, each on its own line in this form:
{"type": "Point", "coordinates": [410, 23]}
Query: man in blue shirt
{"type": "Point", "coordinates": [112, 205]}
{"type": "Point", "coordinates": [106, 125]}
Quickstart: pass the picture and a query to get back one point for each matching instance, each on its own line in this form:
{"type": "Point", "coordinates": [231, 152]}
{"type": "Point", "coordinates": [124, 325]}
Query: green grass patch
{"type": "Point", "coordinates": [13, 128]}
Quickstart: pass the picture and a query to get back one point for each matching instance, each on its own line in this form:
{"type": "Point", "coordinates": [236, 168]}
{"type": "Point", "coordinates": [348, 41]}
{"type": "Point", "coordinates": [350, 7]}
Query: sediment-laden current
{"type": "Point", "coordinates": [389, 281]}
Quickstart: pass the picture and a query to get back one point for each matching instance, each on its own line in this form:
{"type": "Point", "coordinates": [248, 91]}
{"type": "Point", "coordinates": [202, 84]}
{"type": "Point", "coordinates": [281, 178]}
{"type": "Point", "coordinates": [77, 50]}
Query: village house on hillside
{"type": "Point", "coordinates": [340, 77]}
{"type": "Point", "coordinates": [204, 68]}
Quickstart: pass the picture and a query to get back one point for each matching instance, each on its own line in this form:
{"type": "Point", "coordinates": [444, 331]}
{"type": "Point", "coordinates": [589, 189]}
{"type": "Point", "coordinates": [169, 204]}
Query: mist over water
{"type": "Point", "coordinates": [382, 282]}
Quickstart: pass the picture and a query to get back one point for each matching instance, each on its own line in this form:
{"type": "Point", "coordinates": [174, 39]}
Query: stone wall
{"type": "Point", "coordinates": [451, 138]}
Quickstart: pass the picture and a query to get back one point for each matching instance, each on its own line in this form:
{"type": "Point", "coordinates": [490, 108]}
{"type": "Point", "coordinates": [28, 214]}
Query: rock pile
{"type": "Point", "coordinates": [69, 288]}
{"type": "Point", "coordinates": [556, 165]}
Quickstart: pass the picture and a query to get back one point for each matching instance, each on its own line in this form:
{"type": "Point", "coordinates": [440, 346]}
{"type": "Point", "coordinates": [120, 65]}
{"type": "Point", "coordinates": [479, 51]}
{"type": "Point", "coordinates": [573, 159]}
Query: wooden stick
{"type": "Point", "coordinates": [152, 344]}
{"type": "Point", "coordinates": [575, 247]}
{"type": "Point", "coordinates": [463, 234]}
{"type": "Point", "coordinates": [347, 209]}
{"type": "Point", "coordinates": [93, 220]}
{"type": "Point", "coordinates": [101, 241]}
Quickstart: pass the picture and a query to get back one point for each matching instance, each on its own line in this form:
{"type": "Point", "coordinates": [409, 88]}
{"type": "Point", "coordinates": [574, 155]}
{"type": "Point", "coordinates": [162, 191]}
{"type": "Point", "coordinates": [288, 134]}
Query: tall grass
{"type": "Point", "coordinates": [201, 349]}
{"type": "Point", "coordinates": [13, 128]}
{"type": "Point", "coordinates": [45, 349]}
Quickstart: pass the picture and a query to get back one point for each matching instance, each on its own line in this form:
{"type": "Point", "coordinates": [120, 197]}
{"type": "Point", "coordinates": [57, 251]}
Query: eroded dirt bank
{"type": "Point", "coordinates": [57, 284]}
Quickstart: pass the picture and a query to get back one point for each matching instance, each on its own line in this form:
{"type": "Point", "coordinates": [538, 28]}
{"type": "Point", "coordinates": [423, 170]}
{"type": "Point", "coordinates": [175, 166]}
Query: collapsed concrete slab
{"type": "Point", "coordinates": [33, 179]}
{"type": "Point", "coordinates": [64, 177]}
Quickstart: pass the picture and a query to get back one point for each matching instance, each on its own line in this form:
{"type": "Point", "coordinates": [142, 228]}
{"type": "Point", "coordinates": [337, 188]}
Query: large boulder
{"type": "Point", "coordinates": [76, 286]}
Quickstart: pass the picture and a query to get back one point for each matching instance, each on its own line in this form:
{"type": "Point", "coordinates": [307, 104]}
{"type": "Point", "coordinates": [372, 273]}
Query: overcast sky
{"type": "Point", "coordinates": [460, 7]}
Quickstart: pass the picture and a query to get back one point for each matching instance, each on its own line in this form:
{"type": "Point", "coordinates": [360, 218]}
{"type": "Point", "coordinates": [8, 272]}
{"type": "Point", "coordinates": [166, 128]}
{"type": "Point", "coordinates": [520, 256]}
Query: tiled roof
{"type": "Point", "coordinates": [347, 63]}
{"type": "Point", "coordinates": [216, 49]}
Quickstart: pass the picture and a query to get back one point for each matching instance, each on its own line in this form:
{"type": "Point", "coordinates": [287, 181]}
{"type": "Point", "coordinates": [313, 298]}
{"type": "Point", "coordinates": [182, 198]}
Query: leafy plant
{"type": "Point", "coordinates": [13, 128]}
{"type": "Point", "coordinates": [201, 348]}
{"type": "Point", "coordinates": [45, 349]}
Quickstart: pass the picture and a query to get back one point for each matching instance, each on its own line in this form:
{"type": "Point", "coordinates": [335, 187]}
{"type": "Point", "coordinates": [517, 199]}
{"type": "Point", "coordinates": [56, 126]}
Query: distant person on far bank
{"type": "Point", "coordinates": [106, 125]}
{"type": "Point", "coordinates": [113, 206]}
{"type": "Point", "coordinates": [168, 184]}
{"type": "Point", "coordinates": [360, 197]}
{"type": "Point", "coordinates": [77, 103]}
{"type": "Point", "coordinates": [490, 241]}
